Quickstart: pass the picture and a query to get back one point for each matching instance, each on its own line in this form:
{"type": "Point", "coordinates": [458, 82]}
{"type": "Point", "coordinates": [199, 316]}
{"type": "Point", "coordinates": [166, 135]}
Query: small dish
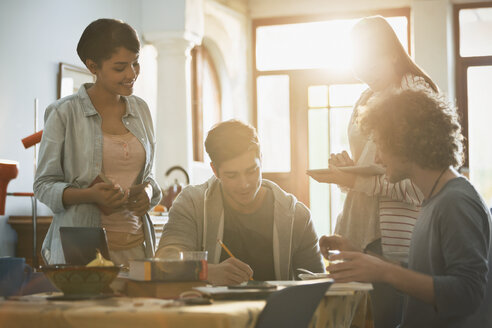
{"type": "Point", "coordinates": [78, 280]}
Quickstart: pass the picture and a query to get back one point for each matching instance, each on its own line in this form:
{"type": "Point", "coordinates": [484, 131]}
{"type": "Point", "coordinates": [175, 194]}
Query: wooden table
{"type": "Point", "coordinates": [121, 312]}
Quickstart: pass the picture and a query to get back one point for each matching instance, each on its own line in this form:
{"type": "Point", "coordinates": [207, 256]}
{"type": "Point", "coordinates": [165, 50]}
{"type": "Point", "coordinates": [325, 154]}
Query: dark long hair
{"type": "Point", "coordinates": [381, 35]}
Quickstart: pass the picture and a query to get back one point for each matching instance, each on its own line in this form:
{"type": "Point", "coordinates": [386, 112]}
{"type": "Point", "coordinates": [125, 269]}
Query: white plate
{"type": "Point", "coordinates": [358, 169]}
{"type": "Point", "coordinates": [309, 276]}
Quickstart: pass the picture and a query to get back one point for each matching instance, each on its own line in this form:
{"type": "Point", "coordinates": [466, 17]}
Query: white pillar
{"type": "Point", "coordinates": [433, 41]}
{"type": "Point", "coordinates": [174, 27]}
{"type": "Point", "coordinates": [173, 121]}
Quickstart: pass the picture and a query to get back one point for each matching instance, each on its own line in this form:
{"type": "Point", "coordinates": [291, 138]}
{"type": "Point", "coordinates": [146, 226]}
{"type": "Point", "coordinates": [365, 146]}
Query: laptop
{"type": "Point", "coordinates": [80, 244]}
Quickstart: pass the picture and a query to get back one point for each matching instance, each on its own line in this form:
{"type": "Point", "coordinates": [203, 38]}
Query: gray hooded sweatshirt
{"type": "Point", "coordinates": [196, 221]}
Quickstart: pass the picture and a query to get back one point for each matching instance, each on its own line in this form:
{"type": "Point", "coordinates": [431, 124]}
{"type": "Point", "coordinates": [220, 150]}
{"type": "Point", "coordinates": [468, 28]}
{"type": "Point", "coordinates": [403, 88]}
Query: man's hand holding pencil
{"type": "Point", "coordinates": [229, 272]}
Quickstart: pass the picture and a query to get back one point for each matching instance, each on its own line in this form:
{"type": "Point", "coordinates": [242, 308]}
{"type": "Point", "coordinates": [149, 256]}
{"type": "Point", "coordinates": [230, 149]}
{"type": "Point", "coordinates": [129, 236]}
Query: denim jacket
{"type": "Point", "coordinates": [71, 154]}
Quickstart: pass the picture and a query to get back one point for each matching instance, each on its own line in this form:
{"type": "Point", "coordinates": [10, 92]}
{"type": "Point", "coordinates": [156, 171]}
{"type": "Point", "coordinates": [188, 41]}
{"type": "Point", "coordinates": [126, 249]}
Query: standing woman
{"type": "Point", "coordinates": [104, 129]}
{"type": "Point", "coordinates": [378, 216]}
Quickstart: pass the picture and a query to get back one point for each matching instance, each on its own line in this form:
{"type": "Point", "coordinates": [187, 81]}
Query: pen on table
{"type": "Point", "coordinates": [228, 251]}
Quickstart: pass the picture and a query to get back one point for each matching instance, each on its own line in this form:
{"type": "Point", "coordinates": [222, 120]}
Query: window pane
{"type": "Point", "coordinates": [211, 97]}
{"type": "Point", "coordinates": [274, 122]}
{"type": "Point", "coordinates": [319, 193]}
{"type": "Point", "coordinates": [318, 96]}
{"type": "Point", "coordinates": [328, 134]}
{"type": "Point", "coordinates": [479, 132]}
{"type": "Point", "coordinates": [318, 138]}
{"type": "Point", "coordinates": [476, 32]}
{"type": "Point", "coordinates": [339, 120]}
{"type": "Point", "coordinates": [311, 45]}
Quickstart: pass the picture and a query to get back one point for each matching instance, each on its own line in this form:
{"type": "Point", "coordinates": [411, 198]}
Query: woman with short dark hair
{"type": "Point", "coordinates": [101, 131]}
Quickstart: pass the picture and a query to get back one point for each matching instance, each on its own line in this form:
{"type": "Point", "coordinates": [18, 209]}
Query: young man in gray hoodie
{"type": "Point", "coordinates": [267, 230]}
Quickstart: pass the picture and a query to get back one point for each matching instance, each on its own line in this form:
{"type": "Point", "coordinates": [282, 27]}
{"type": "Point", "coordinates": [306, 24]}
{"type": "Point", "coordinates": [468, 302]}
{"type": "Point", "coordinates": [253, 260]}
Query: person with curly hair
{"type": "Point", "coordinates": [378, 216]}
{"type": "Point", "coordinates": [447, 282]}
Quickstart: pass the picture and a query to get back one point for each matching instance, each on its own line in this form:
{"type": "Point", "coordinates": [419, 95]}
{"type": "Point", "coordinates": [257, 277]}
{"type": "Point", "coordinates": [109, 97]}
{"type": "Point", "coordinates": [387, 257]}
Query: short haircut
{"type": "Point", "coordinates": [229, 139]}
{"type": "Point", "coordinates": [416, 125]}
{"type": "Point", "coordinates": [102, 37]}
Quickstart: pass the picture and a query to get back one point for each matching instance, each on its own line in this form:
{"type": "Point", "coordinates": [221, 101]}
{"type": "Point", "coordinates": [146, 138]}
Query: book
{"type": "Point", "coordinates": [226, 293]}
{"type": "Point", "coordinates": [168, 270]}
{"type": "Point", "coordinates": [336, 289]}
{"type": "Point", "coordinates": [160, 289]}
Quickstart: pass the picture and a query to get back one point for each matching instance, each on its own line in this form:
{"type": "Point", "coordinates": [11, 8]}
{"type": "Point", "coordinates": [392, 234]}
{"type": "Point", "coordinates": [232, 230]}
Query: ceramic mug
{"type": "Point", "coordinates": [14, 273]}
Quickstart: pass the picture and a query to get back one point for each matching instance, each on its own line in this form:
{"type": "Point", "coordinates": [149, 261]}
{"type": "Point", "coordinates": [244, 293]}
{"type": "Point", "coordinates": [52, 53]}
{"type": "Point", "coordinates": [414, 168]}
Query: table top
{"type": "Point", "coordinates": [122, 312]}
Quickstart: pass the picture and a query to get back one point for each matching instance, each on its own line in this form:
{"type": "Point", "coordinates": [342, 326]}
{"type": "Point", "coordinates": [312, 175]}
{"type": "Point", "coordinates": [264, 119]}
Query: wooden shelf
{"type": "Point", "coordinates": [23, 226]}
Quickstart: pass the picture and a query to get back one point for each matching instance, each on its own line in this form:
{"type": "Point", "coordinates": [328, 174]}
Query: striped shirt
{"type": "Point", "coordinates": [399, 207]}
{"type": "Point", "coordinates": [399, 203]}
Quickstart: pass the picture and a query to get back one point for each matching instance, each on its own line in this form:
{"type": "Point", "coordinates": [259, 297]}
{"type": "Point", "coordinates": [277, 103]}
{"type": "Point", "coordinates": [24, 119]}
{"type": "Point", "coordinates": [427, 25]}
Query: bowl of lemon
{"type": "Point", "coordinates": [83, 280]}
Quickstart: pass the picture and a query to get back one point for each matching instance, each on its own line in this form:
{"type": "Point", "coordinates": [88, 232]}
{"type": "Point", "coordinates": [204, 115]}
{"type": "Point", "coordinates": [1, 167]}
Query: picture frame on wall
{"type": "Point", "coordinates": [71, 78]}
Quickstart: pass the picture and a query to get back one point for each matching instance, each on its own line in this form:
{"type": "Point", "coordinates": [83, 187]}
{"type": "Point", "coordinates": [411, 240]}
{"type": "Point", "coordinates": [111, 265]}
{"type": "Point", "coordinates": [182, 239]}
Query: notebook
{"type": "Point", "coordinates": [225, 293]}
{"type": "Point", "coordinates": [80, 244]}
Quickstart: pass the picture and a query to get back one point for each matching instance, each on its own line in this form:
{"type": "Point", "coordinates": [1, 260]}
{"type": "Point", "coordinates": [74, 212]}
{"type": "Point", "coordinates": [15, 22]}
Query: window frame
{"type": "Point", "coordinates": [461, 71]}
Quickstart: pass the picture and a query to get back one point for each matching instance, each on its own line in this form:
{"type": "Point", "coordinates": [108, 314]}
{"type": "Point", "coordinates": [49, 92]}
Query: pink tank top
{"type": "Point", "coordinates": [123, 159]}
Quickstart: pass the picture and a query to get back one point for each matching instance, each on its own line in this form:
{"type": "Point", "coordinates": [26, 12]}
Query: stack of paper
{"type": "Point", "coordinates": [225, 293]}
{"type": "Point", "coordinates": [348, 288]}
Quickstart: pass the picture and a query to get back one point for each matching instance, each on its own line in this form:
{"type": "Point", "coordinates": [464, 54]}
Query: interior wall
{"type": "Point", "coordinates": [228, 35]}
{"type": "Point", "coordinates": [432, 38]}
{"type": "Point", "coordinates": [35, 36]}
{"type": "Point", "coordinates": [227, 38]}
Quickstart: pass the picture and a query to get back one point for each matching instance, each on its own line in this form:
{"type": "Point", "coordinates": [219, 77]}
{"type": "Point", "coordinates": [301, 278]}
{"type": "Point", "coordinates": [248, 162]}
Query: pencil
{"type": "Point", "coordinates": [228, 251]}
{"type": "Point", "coordinates": [225, 248]}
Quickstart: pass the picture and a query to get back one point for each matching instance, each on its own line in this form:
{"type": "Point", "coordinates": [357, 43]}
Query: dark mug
{"type": "Point", "coordinates": [14, 273]}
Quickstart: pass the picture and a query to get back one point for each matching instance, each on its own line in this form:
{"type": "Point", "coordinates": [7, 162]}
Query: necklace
{"type": "Point", "coordinates": [437, 181]}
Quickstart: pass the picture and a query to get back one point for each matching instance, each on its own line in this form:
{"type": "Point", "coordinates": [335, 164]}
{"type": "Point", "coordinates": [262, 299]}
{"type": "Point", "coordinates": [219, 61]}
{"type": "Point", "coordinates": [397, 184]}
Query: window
{"type": "Point", "coordinates": [206, 99]}
{"type": "Point", "coordinates": [473, 84]}
{"type": "Point", "coordinates": [324, 44]}
{"type": "Point", "coordinates": [305, 91]}
{"type": "Point", "coordinates": [330, 109]}
{"type": "Point", "coordinates": [475, 31]}
{"type": "Point", "coordinates": [274, 122]}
